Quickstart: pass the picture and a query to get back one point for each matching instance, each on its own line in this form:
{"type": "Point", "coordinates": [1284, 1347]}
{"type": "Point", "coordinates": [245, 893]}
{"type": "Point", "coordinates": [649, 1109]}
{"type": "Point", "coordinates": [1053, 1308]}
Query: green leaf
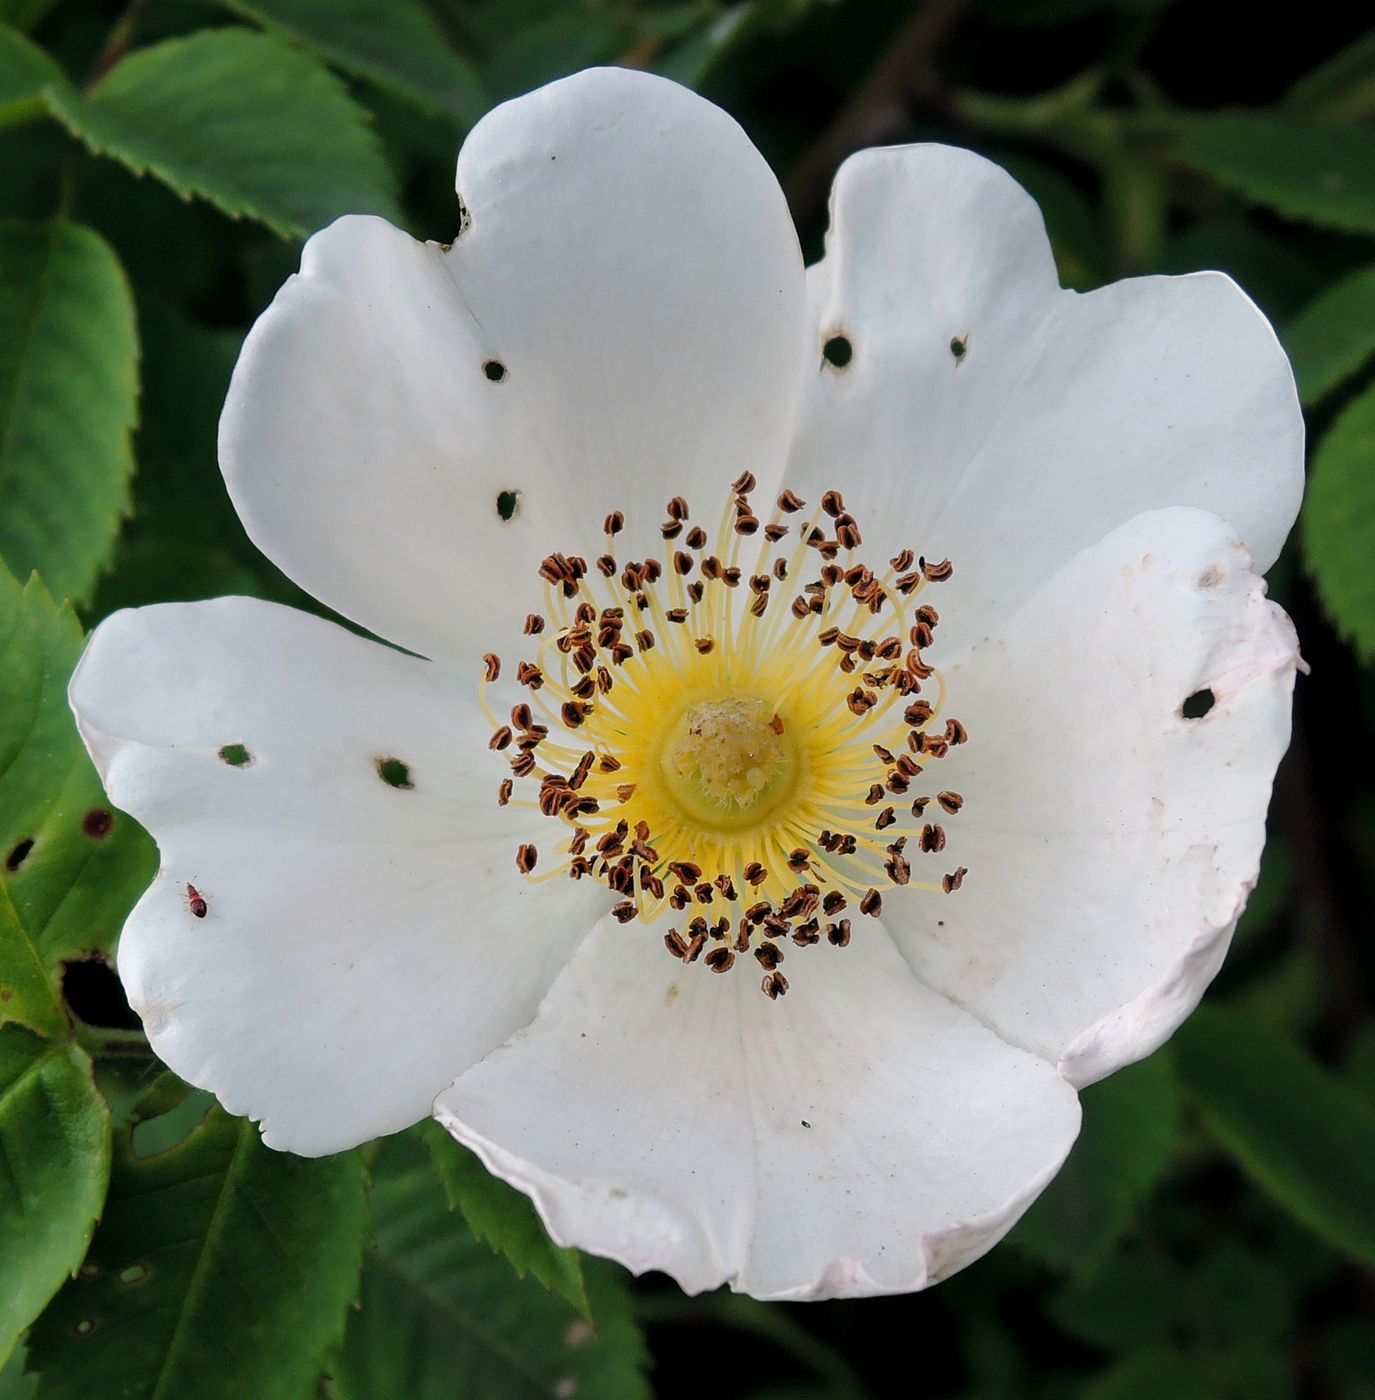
{"type": "Point", "coordinates": [24, 68]}
{"type": "Point", "coordinates": [14, 1383]}
{"type": "Point", "coordinates": [1342, 89]}
{"type": "Point", "coordinates": [68, 401]}
{"type": "Point", "coordinates": [1339, 522]}
{"type": "Point", "coordinates": [1334, 335]}
{"type": "Point", "coordinates": [72, 865]}
{"type": "Point", "coordinates": [27, 996]}
{"type": "Point", "coordinates": [220, 1269]}
{"type": "Point", "coordinates": [1130, 1127]}
{"type": "Point", "coordinates": [1304, 1135]}
{"type": "Point", "coordinates": [55, 1152]}
{"type": "Point", "coordinates": [243, 120]}
{"type": "Point", "coordinates": [392, 42]}
{"type": "Point", "coordinates": [442, 1316]}
{"type": "Point", "coordinates": [1322, 173]}
{"type": "Point", "coordinates": [503, 1218]}
{"type": "Point", "coordinates": [1150, 1374]}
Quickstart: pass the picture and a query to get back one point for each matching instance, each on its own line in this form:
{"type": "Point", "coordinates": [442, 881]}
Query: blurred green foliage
{"type": "Point", "coordinates": [1213, 1234]}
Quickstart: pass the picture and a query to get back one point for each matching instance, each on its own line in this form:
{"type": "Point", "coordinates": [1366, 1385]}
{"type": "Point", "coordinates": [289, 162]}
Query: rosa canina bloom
{"type": "Point", "coordinates": [786, 796]}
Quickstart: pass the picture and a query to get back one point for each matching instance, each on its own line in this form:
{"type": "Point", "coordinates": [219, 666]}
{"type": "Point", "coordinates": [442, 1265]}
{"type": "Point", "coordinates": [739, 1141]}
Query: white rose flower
{"type": "Point", "coordinates": [810, 1014]}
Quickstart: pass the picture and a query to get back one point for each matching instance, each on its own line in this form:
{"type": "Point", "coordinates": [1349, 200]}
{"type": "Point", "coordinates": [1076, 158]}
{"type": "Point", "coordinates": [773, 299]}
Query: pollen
{"type": "Point", "coordinates": [734, 742]}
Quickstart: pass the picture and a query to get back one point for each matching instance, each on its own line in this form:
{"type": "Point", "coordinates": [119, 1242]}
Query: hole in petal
{"type": "Point", "coordinates": [19, 855]}
{"type": "Point", "coordinates": [959, 347]}
{"type": "Point", "coordinates": [508, 502]}
{"type": "Point", "coordinates": [494, 370]}
{"type": "Point", "coordinates": [465, 220]}
{"type": "Point", "coordinates": [1198, 704]}
{"type": "Point", "coordinates": [97, 823]}
{"type": "Point", "coordinates": [95, 995]}
{"type": "Point", "coordinates": [394, 773]}
{"type": "Point", "coordinates": [837, 351]}
{"type": "Point", "coordinates": [236, 756]}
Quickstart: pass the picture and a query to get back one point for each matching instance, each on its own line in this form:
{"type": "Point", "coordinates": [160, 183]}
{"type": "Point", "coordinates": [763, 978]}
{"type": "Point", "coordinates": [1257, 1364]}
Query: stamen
{"type": "Point", "coordinates": [704, 750]}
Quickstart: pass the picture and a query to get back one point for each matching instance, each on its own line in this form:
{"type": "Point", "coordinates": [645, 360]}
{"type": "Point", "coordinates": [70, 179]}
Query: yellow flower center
{"type": "Point", "coordinates": [737, 751]}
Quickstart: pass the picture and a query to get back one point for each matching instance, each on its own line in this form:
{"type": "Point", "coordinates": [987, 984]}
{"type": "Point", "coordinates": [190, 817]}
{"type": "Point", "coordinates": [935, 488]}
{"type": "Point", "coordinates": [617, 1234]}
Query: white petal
{"type": "Point", "coordinates": [1066, 415]}
{"type": "Point", "coordinates": [1111, 842]}
{"type": "Point", "coordinates": [363, 942]}
{"type": "Point", "coordinates": [860, 1135]}
{"type": "Point", "coordinates": [629, 261]}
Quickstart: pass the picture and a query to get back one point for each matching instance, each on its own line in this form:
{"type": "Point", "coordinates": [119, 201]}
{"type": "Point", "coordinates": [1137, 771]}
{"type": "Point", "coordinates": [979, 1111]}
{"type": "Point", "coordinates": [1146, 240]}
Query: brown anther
{"type": "Point", "coordinates": [731, 577]}
{"type": "Point", "coordinates": [695, 945]}
{"type": "Point", "coordinates": [839, 933]}
{"type": "Point", "coordinates": [790, 502]}
{"type": "Point", "coordinates": [574, 712]}
{"type": "Point", "coordinates": [950, 883]}
{"type": "Point", "coordinates": [683, 562]}
{"type": "Point", "coordinates": [774, 985]}
{"type": "Point", "coordinates": [937, 573]}
{"type": "Point", "coordinates": [695, 590]}
{"type": "Point", "coordinates": [704, 644]}
{"type": "Point", "coordinates": [776, 723]}
{"type": "Point", "coordinates": [804, 935]}
{"type": "Point", "coordinates": [874, 795]}
{"type": "Point", "coordinates": [720, 959]}
{"type": "Point", "coordinates": [898, 782]}
{"type": "Point", "coordinates": [907, 766]}
{"type": "Point", "coordinates": [614, 523]}
{"type": "Point", "coordinates": [921, 635]}
{"type": "Point", "coordinates": [534, 624]}
{"type": "Point", "coordinates": [645, 640]}
{"type": "Point", "coordinates": [902, 561]}
{"type": "Point", "coordinates": [799, 860]}
{"type": "Point", "coordinates": [704, 892]}
{"type": "Point", "coordinates": [671, 529]}
{"type": "Point", "coordinates": [833, 904]}
{"type": "Point", "coordinates": [908, 583]}
{"type": "Point", "coordinates": [521, 716]}
{"type": "Point", "coordinates": [848, 537]}
{"type": "Point", "coordinates": [744, 482]}
{"type": "Point", "coordinates": [677, 509]}
{"type": "Point", "coordinates": [625, 911]}
{"type": "Point", "coordinates": [898, 870]}
{"type": "Point", "coordinates": [685, 870]}
{"type": "Point", "coordinates": [871, 904]}
{"type": "Point", "coordinates": [526, 857]}
{"type": "Point", "coordinates": [755, 874]}
{"type": "Point", "coordinates": [620, 652]}
{"type": "Point", "coordinates": [606, 565]}
{"type": "Point", "coordinates": [529, 674]}
{"type": "Point", "coordinates": [951, 801]}
{"type": "Point", "coordinates": [673, 941]}
{"type": "Point", "coordinates": [711, 567]}
{"type": "Point", "coordinates": [696, 538]}
{"type": "Point", "coordinates": [608, 763]}
{"type": "Point", "coordinates": [832, 504]}
{"type": "Point", "coordinates": [800, 607]}
{"type": "Point", "coordinates": [491, 663]}
{"type": "Point", "coordinates": [932, 837]}
{"type": "Point", "coordinates": [746, 524]}
{"type": "Point", "coordinates": [501, 739]}
{"type": "Point", "coordinates": [504, 790]}
{"type": "Point", "coordinates": [955, 732]}
{"type": "Point", "coordinates": [677, 614]}
{"type": "Point", "coordinates": [885, 819]}
{"type": "Point", "coordinates": [861, 701]}
{"type": "Point", "coordinates": [918, 712]}
{"type": "Point", "coordinates": [625, 791]}
{"type": "Point", "coordinates": [927, 614]}
{"type": "Point", "coordinates": [768, 955]}
{"type": "Point", "coordinates": [883, 754]}
{"type": "Point", "coordinates": [774, 531]}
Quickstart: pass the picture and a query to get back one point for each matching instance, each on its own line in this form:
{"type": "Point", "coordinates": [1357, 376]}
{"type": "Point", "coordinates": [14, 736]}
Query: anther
{"type": "Point", "coordinates": [950, 883]}
{"type": "Point", "coordinates": [534, 624]}
{"type": "Point", "coordinates": [871, 904]}
{"type": "Point", "coordinates": [839, 933]}
{"type": "Point", "coordinates": [932, 838]}
{"type": "Point", "coordinates": [504, 790]}
{"type": "Point", "coordinates": [744, 482]}
{"type": "Point", "coordinates": [501, 739]}
{"type": "Point", "coordinates": [790, 502]}
{"type": "Point", "coordinates": [774, 985]}
{"type": "Point", "coordinates": [526, 856]}
{"type": "Point", "coordinates": [720, 959]}
{"type": "Point", "coordinates": [614, 523]}
{"type": "Point", "coordinates": [937, 573]}
{"type": "Point", "coordinates": [951, 801]}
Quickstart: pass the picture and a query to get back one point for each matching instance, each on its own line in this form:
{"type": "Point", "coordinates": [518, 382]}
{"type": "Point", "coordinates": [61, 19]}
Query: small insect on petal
{"type": "Point", "coordinates": [195, 901]}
